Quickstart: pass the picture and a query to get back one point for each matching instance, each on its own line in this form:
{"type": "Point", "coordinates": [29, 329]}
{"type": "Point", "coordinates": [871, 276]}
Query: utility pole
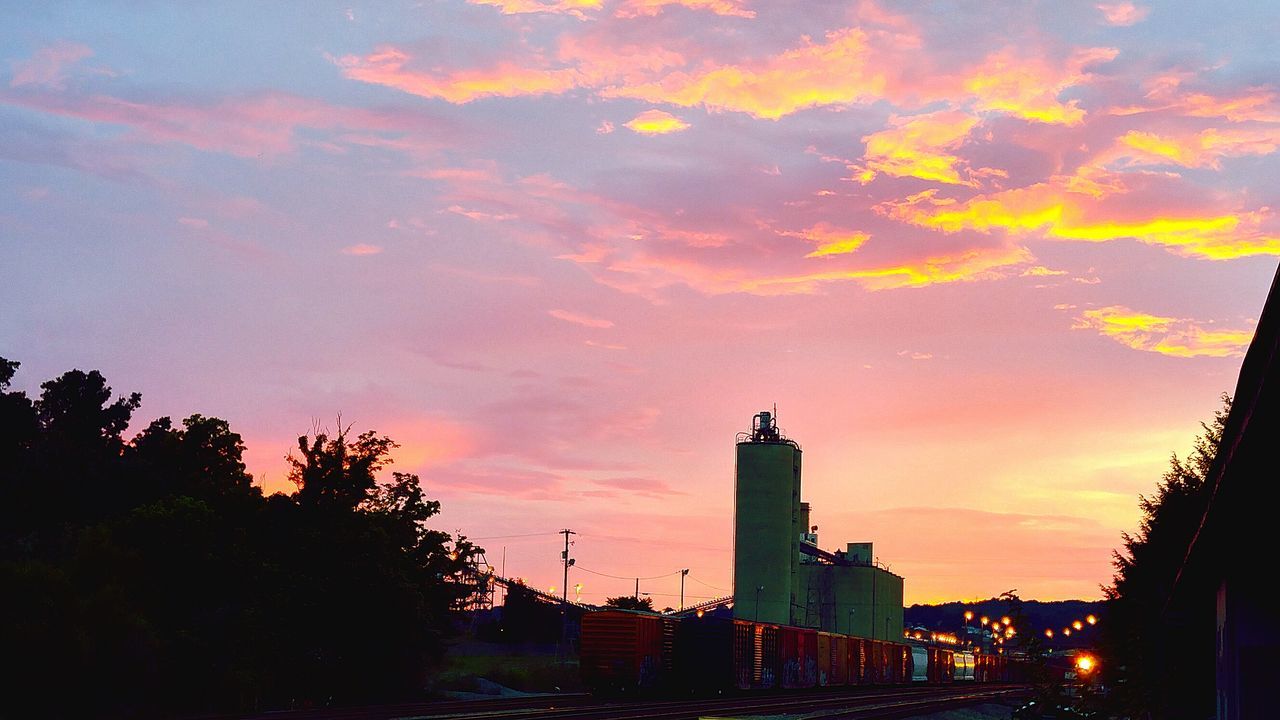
{"type": "Point", "coordinates": [683, 573]}
{"type": "Point", "coordinates": [637, 589]}
{"type": "Point", "coordinates": [567, 562]}
{"type": "Point", "coordinates": [564, 596]}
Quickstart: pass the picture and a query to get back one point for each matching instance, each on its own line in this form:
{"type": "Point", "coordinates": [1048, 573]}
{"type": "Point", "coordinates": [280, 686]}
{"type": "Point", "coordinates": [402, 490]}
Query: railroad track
{"type": "Point", "coordinates": [826, 704]}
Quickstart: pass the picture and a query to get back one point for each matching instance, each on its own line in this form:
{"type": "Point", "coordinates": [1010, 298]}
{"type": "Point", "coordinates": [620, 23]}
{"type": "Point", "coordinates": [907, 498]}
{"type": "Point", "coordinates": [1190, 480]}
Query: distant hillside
{"type": "Point", "coordinates": [1036, 617]}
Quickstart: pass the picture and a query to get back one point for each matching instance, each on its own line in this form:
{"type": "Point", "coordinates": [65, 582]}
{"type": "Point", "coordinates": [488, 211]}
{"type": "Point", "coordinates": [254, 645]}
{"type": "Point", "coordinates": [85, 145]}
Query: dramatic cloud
{"type": "Point", "coordinates": [656, 122]}
{"type": "Point", "coordinates": [834, 72]}
{"type": "Point", "coordinates": [1164, 335]}
{"type": "Point", "coordinates": [1203, 149]}
{"type": "Point", "coordinates": [1028, 87]}
{"type": "Point", "coordinates": [920, 146]}
{"type": "Point", "coordinates": [1070, 208]}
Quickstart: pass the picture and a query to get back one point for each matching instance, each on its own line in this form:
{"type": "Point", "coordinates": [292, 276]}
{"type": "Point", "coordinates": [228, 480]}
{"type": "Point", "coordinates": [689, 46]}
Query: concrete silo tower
{"type": "Point", "coordinates": [766, 535]}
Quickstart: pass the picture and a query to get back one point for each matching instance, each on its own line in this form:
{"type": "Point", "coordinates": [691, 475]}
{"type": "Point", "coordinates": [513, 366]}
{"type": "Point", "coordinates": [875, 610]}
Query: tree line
{"type": "Point", "coordinates": [148, 575]}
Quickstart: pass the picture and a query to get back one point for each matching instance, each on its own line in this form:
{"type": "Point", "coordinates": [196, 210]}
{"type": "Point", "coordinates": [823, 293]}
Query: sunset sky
{"type": "Point", "coordinates": [993, 262]}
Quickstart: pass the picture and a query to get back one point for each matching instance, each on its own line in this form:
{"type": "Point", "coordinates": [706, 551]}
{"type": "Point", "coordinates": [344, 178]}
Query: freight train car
{"type": "Point", "coordinates": [629, 651]}
{"type": "Point", "coordinates": [625, 651]}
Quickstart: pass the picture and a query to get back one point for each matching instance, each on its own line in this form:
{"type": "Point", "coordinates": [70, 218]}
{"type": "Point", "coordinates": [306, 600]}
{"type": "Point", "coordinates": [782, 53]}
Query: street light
{"type": "Point", "coordinates": [1091, 620]}
{"type": "Point", "coordinates": [758, 589]}
{"type": "Point", "coordinates": [1077, 625]}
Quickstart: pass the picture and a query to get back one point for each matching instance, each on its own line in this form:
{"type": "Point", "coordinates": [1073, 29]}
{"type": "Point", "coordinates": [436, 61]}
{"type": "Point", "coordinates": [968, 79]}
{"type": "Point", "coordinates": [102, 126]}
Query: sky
{"type": "Point", "coordinates": [993, 262]}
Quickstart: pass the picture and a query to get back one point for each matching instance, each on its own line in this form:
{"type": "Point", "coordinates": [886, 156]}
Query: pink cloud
{"type": "Point", "coordinates": [1123, 13]}
{"type": "Point", "coordinates": [733, 8]}
{"type": "Point", "coordinates": [48, 67]}
{"type": "Point", "coordinates": [265, 124]}
{"type": "Point", "coordinates": [580, 319]}
{"type": "Point", "coordinates": [362, 249]}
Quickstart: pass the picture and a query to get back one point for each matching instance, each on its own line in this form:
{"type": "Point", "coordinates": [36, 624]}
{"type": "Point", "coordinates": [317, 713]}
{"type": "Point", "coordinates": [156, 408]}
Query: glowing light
{"type": "Point", "coordinates": [1048, 632]}
{"type": "Point", "coordinates": [984, 620]}
{"type": "Point", "coordinates": [1077, 625]}
{"type": "Point", "coordinates": [1066, 631]}
{"type": "Point", "coordinates": [968, 615]}
{"type": "Point", "coordinates": [700, 613]}
{"type": "Point", "coordinates": [1086, 663]}
{"type": "Point", "coordinates": [1091, 620]}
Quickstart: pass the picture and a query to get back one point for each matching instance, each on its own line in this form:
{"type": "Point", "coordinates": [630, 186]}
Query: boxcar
{"type": "Point", "coordinates": [825, 672]}
{"type": "Point", "coordinates": [839, 660]}
{"type": "Point", "coordinates": [964, 670]}
{"type": "Point", "coordinates": [798, 648]}
{"type": "Point", "coordinates": [703, 657]}
{"type": "Point", "coordinates": [623, 650]}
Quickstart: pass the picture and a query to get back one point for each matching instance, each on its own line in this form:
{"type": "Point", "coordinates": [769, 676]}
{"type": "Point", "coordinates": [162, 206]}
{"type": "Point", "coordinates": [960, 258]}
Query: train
{"type": "Point", "coordinates": [634, 652]}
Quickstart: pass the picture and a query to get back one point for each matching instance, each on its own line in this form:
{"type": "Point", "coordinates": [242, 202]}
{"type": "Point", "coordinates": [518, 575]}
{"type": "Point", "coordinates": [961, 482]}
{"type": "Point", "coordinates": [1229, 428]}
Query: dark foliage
{"type": "Point", "coordinates": [148, 576]}
{"type": "Point", "coordinates": [1158, 658]}
{"type": "Point", "coordinates": [630, 602]}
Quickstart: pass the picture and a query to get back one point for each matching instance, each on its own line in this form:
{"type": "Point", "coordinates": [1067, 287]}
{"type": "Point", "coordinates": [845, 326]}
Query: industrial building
{"type": "Point", "coordinates": [780, 575]}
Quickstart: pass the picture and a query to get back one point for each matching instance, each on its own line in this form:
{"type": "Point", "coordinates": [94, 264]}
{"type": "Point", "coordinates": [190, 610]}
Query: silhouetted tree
{"type": "Point", "coordinates": [629, 602]}
{"type": "Point", "coordinates": [149, 576]}
{"type": "Point", "coordinates": [1155, 661]}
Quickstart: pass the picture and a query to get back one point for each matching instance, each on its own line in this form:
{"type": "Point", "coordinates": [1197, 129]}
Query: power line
{"type": "Point", "coordinates": [504, 537]}
{"type": "Point", "coordinates": [628, 577]}
{"type": "Point", "coordinates": [713, 587]}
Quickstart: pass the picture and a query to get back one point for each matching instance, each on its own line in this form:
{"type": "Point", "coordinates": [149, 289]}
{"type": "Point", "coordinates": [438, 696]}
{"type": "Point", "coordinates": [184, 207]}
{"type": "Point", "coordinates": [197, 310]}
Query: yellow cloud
{"type": "Point", "coordinates": [964, 266]}
{"type": "Point", "coordinates": [735, 8]}
{"type": "Point", "coordinates": [1164, 335]}
{"type": "Point", "coordinates": [919, 146]}
{"type": "Point", "coordinates": [520, 7]}
{"type": "Point", "coordinates": [834, 72]}
{"type": "Point", "coordinates": [1203, 149]}
{"type": "Point", "coordinates": [656, 122]}
{"type": "Point", "coordinates": [1058, 210]}
{"type": "Point", "coordinates": [831, 240]}
{"type": "Point", "coordinates": [1029, 87]}
{"type": "Point", "coordinates": [386, 67]}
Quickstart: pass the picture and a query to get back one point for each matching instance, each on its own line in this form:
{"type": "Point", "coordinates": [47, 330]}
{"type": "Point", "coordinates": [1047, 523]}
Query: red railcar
{"type": "Point", "coordinates": [624, 651]}
{"type": "Point", "coordinates": [798, 650]}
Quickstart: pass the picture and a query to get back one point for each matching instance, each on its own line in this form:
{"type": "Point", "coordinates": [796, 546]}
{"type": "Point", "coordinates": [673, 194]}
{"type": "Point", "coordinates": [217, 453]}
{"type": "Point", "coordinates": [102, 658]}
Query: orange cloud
{"type": "Point", "coordinates": [1064, 210]}
{"type": "Point", "coordinates": [387, 66]}
{"type": "Point", "coordinates": [1122, 13]}
{"type": "Point", "coordinates": [520, 7]}
{"type": "Point", "coordinates": [1203, 149]}
{"type": "Point", "coordinates": [919, 146]}
{"type": "Point", "coordinates": [1164, 335]}
{"type": "Point", "coordinates": [636, 8]}
{"type": "Point", "coordinates": [1029, 87]}
{"type": "Point", "coordinates": [361, 249]}
{"type": "Point", "coordinates": [580, 319]}
{"type": "Point", "coordinates": [656, 122]}
{"type": "Point", "coordinates": [834, 72]}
